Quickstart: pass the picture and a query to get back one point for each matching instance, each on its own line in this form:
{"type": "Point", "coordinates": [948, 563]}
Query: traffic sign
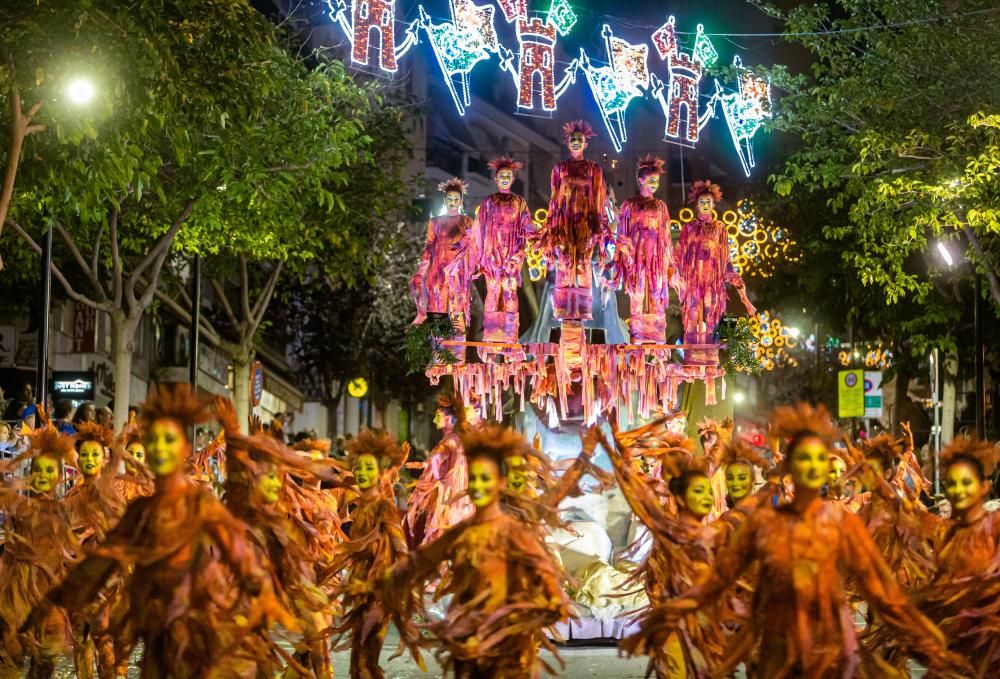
{"type": "Point", "coordinates": [850, 393]}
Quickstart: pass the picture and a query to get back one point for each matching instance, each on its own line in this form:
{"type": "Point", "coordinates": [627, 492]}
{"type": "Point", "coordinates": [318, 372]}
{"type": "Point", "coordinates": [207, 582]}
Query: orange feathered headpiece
{"type": "Point", "coordinates": [789, 422]}
{"type": "Point", "coordinates": [505, 163]}
{"type": "Point", "coordinates": [701, 188]}
{"type": "Point", "coordinates": [453, 185]}
{"type": "Point", "coordinates": [313, 445]}
{"type": "Point", "coordinates": [739, 449]}
{"type": "Point", "coordinates": [174, 402]}
{"type": "Point", "coordinates": [497, 443]}
{"type": "Point", "coordinates": [581, 126]}
{"type": "Point", "coordinates": [724, 430]}
{"type": "Point", "coordinates": [984, 453]}
{"type": "Point", "coordinates": [884, 447]}
{"type": "Point", "coordinates": [91, 431]}
{"type": "Point", "coordinates": [381, 444]}
{"type": "Point", "coordinates": [675, 449]}
{"type": "Point", "coordinates": [48, 441]}
{"type": "Point", "coordinates": [650, 165]}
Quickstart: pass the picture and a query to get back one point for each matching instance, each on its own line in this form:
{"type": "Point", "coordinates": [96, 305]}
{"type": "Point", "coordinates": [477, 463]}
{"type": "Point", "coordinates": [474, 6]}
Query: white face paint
{"type": "Point", "coordinates": [650, 185]}
{"type": "Point", "coordinates": [453, 203]}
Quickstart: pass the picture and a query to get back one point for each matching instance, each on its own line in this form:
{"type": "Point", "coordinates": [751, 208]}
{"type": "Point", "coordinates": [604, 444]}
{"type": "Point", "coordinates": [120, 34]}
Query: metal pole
{"type": "Point", "coordinates": [195, 321]}
{"type": "Point", "coordinates": [42, 360]}
{"type": "Point", "coordinates": [980, 360]}
{"type": "Point", "coordinates": [936, 406]}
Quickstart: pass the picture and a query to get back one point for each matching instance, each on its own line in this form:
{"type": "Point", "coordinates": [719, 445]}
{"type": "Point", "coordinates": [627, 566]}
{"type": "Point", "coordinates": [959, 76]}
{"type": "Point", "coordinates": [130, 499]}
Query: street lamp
{"type": "Point", "coordinates": [80, 91]}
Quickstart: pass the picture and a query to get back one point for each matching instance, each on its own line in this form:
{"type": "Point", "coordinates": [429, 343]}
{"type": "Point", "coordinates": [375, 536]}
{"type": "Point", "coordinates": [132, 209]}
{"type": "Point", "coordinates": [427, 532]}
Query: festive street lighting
{"type": "Point", "coordinates": [945, 254]}
{"type": "Point", "coordinates": [80, 91]}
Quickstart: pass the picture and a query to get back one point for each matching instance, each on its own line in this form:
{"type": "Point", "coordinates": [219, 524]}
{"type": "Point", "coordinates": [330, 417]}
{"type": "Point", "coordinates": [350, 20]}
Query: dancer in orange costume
{"type": "Point", "coordinates": [714, 436]}
{"type": "Point", "coordinates": [377, 542]}
{"type": "Point", "coordinates": [438, 500]}
{"type": "Point", "coordinates": [801, 622]}
{"type": "Point", "coordinates": [964, 595]}
{"type": "Point", "coordinates": [95, 507]}
{"type": "Point", "coordinates": [505, 586]}
{"type": "Point", "coordinates": [191, 558]}
{"type": "Point", "coordinates": [678, 555]}
{"type": "Point", "coordinates": [38, 549]}
{"type": "Point", "coordinates": [137, 480]}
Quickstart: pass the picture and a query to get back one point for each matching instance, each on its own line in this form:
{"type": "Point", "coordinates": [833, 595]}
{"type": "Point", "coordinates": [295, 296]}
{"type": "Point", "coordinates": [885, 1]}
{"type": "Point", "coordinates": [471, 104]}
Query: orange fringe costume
{"type": "Point", "coordinates": [438, 499]}
{"type": "Point", "coordinates": [505, 585]}
{"type": "Point", "coordinates": [377, 542]}
{"type": "Point", "coordinates": [964, 595]}
{"type": "Point", "coordinates": [95, 507]}
{"type": "Point", "coordinates": [296, 550]}
{"type": "Point", "coordinates": [137, 481]}
{"type": "Point", "coordinates": [192, 564]}
{"type": "Point", "coordinates": [39, 548]}
{"type": "Point", "coordinates": [801, 622]}
{"type": "Point", "coordinates": [680, 553]}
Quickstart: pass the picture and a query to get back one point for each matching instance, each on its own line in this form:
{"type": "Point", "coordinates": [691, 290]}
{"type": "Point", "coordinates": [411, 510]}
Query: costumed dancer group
{"type": "Point", "coordinates": [811, 568]}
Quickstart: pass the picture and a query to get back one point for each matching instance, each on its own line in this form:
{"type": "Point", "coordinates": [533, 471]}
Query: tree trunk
{"type": "Point", "coordinates": [242, 360]}
{"type": "Point", "coordinates": [122, 349]}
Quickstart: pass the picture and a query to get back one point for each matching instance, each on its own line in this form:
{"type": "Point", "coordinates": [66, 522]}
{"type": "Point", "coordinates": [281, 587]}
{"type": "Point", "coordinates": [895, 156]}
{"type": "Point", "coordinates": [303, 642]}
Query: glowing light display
{"type": "Point", "coordinates": [514, 9]}
{"type": "Point", "coordinates": [615, 86]}
{"type": "Point", "coordinates": [745, 112]}
{"type": "Point", "coordinates": [562, 16]}
{"type": "Point", "coordinates": [678, 97]}
{"type": "Point", "coordinates": [773, 341]}
{"type": "Point", "coordinates": [756, 245]}
{"type": "Point", "coordinates": [704, 51]}
{"type": "Point", "coordinates": [534, 76]}
{"type": "Point", "coordinates": [366, 17]}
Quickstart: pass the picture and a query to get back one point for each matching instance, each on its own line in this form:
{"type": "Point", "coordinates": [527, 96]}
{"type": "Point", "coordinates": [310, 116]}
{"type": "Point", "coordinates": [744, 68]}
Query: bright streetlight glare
{"type": "Point", "coordinates": [945, 253]}
{"type": "Point", "coordinates": [794, 332]}
{"type": "Point", "coordinates": [739, 397]}
{"type": "Point", "coordinates": [80, 91]}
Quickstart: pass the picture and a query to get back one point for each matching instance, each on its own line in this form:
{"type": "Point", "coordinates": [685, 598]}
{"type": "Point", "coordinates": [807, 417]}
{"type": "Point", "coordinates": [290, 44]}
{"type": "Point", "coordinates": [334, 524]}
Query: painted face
{"type": "Point", "coordinates": [269, 486]}
{"type": "Point", "coordinates": [837, 469]}
{"type": "Point", "coordinates": [698, 496]}
{"type": "Point", "coordinates": [91, 456]}
{"type": "Point", "coordinates": [577, 143]}
{"type": "Point", "coordinates": [443, 420]}
{"type": "Point", "coordinates": [809, 463]}
{"type": "Point", "coordinates": [453, 202]}
{"type": "Point", "coordinates": [44, 474]}
{"type": "Point", "coordinates": [137, 451]}
{"type": "Point", "coordinates": [166, 447]}
{"type": "Point", "coordinates": [484, 482]}
{"type": "Point", "coordinates": [505, 179]}
{"type": "Point", "coordinates": [366, 471]}
{"type": "Point", "coordinates": [739, 478]}
{"type": "Point", "coordinates": [962, 486]}
{"type": "Point", "coordinates": [705, 205]}
{"type": "Point", "coordinates": [517, 479]}
{"type": "Point", "coordinates": [651, 183]}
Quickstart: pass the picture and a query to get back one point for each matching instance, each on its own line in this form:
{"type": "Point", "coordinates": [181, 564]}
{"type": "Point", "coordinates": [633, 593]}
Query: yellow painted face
{"type": "Point", "coordinates": [44, 474]}
{"type": "Point", "coordinates": [962, 486]}
{"type": "Point", "coordinates": [269, 486]}
{"type": "Point", "coordinates": [739, 479]}
{"type": "Point", "coordinates": [517, 479]}
{"type": "Point", "coordinates": [651, 183]}
{"type": "Point", "coordinates": [91, 457]}
{"type": "Point", "coordinates": [505, 179]}
{"type": "Point", "coordinates": [837, 469]}
{"type": "Point", "coordinates": [577, 142]}
{"type": "Point", "coordinates": [484, 482]}
{"type": "Point", "coordinates": [443, 420]}
{"type": "Point", "coordinates": [138, 451]}
{"type": "Point", "coordinates": [698, 496]}
{"type": "Point", "coordinates": [809, 463]}
{"type": "Point", "coordinates": [453, 202]}
{"type": "Point", "coordinates": [366, 471]}
{"type": "Point", "coordinates": [166, 447]}
{"type": "Point", "coordinates": [706, 204]}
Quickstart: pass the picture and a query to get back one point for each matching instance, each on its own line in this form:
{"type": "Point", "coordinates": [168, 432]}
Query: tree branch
{"type": "Point", "coordinates": [991, 274]}
{"type": "Point", "coordinates": [116, 260]}
{"type": "Point", "coordinates": [78, 256]}
{"type": "Point", "coordinates": [227, 308]}
{"type": "Point", "coordinates": [56, 273]}
{"type": "Point", "coordinates": [158, 253]}
{"type": "Point", "coordinates": [245, 289]}
{"type": "Point", "coordinates": [95, 255]}
{"type": "Point", "coordinates": [185, 315]}
{"type": "Point", "coordinates": [260, 308]}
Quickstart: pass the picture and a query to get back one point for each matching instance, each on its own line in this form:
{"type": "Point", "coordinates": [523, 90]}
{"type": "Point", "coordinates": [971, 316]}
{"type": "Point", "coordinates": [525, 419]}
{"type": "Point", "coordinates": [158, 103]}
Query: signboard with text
{"type": "Point", "coordinates": [850, 393]}
{"type": "Point", "coordinates": [84, 329]}
{"type": "Point", "coordinates": [73, 385]}
{"type": "Point", "coordinates": [873, 394]}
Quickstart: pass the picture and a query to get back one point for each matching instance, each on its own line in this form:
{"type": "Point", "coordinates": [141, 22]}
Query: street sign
{"type": "Point", "coordinates": [256, 383]}
{"type": "Point", "coordinates": [873, 394]}
{"type": "Point", "coordinates": [851, 393]}
{"type": "Point", "coordinates": [358, 387]}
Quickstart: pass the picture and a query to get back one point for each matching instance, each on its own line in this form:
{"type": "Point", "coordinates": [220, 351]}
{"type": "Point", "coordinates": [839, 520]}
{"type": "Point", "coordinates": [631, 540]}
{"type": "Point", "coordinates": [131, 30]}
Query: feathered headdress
{"type": "Point", "coordinates": [453, 185]}
{"type": "Point", "coordinates": [91, 431]}
{"type": "Point", "coordinates": [674, 449]}
{"type": "Point", "coordinates": [497, 443]}
{"type": "Point", "coordinates": [48, 441]}
{"type": "Point", "coordinates": [788, 422]}
{"type": "Point", "coordinates": [650, 165]}
{"type": "Point", "coordinates": [174, 402]}
{"type": "Point", "coordinates": [581, 126]}
{"type": "Point", "coordinates": [884, 447]}
{"type": "Point", "coordinates": [381, 444]}
{"type": "Point", "coordinates": [702, 187]}
{"type": "Point", "coordinates": [986, 454]}
{"type": "Point", "coordinates": [739, 449]}
{"type": "Point", "coordinates": [505, 163]}
{"type": "Point", "coordinates": [313, 445]}
{"type": "Point", "coordinates": [724, 429]}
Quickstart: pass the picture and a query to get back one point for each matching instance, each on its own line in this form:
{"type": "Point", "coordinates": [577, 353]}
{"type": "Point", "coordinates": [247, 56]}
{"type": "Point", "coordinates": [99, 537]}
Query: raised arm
{"type": "Point", "coordinates": [639, 495]}
{"type": "Point", "coordinates": [570, 479]}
